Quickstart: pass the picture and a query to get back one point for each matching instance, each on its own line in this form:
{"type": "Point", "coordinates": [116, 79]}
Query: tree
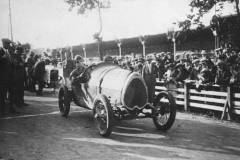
{"type": "Point", "coordinates": [199, 8]}
{"type": "Point", "coordinates": [87, 5]}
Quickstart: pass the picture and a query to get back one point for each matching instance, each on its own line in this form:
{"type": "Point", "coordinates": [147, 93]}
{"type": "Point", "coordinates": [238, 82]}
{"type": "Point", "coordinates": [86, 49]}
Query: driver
{"type": "Point", "coordinates": [76, 75]}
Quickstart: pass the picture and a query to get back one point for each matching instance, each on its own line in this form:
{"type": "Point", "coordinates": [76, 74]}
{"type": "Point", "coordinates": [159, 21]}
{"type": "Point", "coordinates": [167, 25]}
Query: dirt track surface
{"type": "Point", "coordinates": [40, 133]}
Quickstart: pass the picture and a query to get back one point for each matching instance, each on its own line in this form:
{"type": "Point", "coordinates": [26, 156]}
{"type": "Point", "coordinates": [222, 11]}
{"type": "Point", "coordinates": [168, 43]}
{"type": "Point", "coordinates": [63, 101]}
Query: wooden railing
{"type": "Point", "coordinates": [218, 98]}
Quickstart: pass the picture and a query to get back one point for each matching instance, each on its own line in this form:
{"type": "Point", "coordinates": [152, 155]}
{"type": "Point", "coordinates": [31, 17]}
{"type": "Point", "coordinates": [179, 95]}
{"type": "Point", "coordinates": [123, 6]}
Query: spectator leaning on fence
{"type": "Point", "coordinates": [222, 74]}
{"type": "Point", "coordinates": [234, 70]}
{"type": "Point", "coordinates": [162, 58]}
{"type": "Point", "coordinates": [188, 65]}
{"type": "Point", "coordinates": [182, 73]}
{"type": "Point", "coordinates": [195, 70]}
{"type": "Point", "coordinates": [170, 70]}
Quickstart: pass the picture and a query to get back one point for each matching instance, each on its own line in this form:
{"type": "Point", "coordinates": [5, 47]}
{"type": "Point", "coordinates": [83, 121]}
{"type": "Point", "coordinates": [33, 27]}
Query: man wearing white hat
{"type": "Point", "coordinates": [149, 75]}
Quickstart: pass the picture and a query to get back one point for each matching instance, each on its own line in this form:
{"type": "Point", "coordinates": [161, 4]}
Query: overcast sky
{"type": "Point", "coordinates": [47, 23]}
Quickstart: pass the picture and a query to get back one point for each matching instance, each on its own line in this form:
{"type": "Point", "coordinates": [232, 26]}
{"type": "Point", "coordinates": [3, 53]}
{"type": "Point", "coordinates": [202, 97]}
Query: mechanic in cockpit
{"type": "Point", "coordinates": [76, 76]}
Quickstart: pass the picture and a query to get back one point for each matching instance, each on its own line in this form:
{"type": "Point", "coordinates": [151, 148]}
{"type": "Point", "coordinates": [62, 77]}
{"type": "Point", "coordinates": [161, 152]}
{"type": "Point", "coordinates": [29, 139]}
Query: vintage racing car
{"type": "Point", "coordinates": [115, 93]}
{"type": "Point", "coordinates": [53, 76]}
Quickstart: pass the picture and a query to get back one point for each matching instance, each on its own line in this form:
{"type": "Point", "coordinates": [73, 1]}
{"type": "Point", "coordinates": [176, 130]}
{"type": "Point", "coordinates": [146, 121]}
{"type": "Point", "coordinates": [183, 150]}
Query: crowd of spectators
{"type": "Point", "coordinates": [222, 69]}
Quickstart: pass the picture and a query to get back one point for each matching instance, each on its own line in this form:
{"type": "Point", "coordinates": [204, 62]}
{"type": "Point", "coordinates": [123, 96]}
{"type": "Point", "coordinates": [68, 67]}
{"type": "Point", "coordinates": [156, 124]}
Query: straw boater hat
{"type": "Point", "coordinates": [192, 53]}
{"type": "Point", "coordinates": [204, 70]}
{"type": "Point", "coordinates": [220, 62]}
{"type": "Point", "coordinates": [149, 57]}
{"type": "Point", "coordinates": [203, 60]}
{"type": "Point", "coordinates": [119, 59]}
{"type": "Point", "coordinates": [203, 52]}
{"type": "Point", "coordinates": [179, 65]}
{"type": "Point", "coordinates": [218, 49]}
{"type": "Point", "coordinates": [162, 53]}
{"type": "Point", "coordinates": [141, 59]}
{"type": "Point", "coordinates": [134, 60]}
{"type": "Point", "coordinates": [158, 54]}
{"type": "Point", "coordinates": [195, 61]}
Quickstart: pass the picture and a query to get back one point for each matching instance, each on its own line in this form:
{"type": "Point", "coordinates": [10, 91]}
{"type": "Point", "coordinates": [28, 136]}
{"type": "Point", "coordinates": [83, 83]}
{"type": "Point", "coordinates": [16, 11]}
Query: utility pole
{"type": "Point", "coordinates": [84, 50]}
{"type": "Point", "coordinates": [119, 43]}
{"type": "Point", "coordinates": [143, 40]}
{"type": "Point", "coordinates": [172, 35]}
{"type": "Point", "coordinates": [10, 17]}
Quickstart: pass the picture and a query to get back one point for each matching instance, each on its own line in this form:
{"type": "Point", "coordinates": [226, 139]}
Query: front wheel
{"type": "Point", "coordinates": [103, 115]}
{"type": "Point", "coordinates": [64, 101]}
{"type": "Point", "coordinates": [166, 111]}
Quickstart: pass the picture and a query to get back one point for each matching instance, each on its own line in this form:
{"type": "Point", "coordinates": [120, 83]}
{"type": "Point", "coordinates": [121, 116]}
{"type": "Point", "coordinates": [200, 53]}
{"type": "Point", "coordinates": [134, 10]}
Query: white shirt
{"type": "Point", "coordinates": [149, 66]}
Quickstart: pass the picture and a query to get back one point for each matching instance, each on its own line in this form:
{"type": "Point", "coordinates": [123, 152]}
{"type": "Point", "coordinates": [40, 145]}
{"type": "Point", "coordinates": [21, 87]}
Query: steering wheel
{"type": "Point", "coordinates": [86, 69]}
{"type": "Point", "coordinates": [85, 73]}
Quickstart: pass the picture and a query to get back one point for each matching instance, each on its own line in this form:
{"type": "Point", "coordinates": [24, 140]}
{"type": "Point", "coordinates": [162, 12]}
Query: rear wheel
{"type": "Point", "coordinates": [166, 111]}
{"type": "Point", "coordinates": [103, 115]}
{"type": "Point", "coordinates": [64, 101]}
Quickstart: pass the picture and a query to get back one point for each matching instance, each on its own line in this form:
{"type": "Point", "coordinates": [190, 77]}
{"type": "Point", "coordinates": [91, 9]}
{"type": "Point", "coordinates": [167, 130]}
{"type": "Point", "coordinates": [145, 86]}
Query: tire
{"type": "Point", "coordinates": [163, 110]}
{"type": "Point", "coordinates": [64, 101]}
{"type": "Point", "coordinates": [103, 115]}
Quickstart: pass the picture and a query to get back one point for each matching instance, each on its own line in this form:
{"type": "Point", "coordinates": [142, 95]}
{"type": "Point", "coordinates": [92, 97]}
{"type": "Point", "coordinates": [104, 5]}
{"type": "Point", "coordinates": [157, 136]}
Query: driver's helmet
{"type": "Point", "coordinates": [108, 58]}
{"type": "Point", "coordinates": [78, 57]}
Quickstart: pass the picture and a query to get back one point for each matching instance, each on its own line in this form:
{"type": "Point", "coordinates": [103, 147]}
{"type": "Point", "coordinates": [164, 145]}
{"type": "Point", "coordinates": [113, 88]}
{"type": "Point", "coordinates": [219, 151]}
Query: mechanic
{"type": "Point", "coordinates": [38, 74]}
{"type": "Point", "coordinates": [30, 64]}
{"type": "Point", "coordinates": [68, 66]}
{"type": "Point", "coordinates": [19, 79]}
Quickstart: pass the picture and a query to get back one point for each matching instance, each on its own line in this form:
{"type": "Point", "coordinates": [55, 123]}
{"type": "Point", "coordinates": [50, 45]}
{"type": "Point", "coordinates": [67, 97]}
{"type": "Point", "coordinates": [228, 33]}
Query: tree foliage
{"type": "Point", "coordinates": [226, 30]}
{"type": "Point", "coordinates": [201, 7]}
{"type": "Point", "coordinates": [87, 5]}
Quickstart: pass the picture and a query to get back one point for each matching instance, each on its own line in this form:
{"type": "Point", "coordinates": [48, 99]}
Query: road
{"type": "Point", "coordinates": [40, 133]}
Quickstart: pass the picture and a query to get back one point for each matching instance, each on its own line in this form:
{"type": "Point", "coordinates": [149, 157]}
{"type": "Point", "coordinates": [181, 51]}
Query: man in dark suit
{"type": "Point", "coordinates": [149, 76]}
{"type": "Point", "coordinates": [19, 81]}
{"type": "Point", "coordinates": [38, 74]}
{"type": "Point", "coordinates": [6, 75]}
{"type": "Point", "coordinates": [30, 64]}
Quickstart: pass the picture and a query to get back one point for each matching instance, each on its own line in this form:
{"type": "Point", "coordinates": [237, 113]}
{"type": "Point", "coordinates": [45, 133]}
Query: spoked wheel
{"type": "Point", "coordinates": [166, 111]}
{"type": "Point", "coordinates": [64, 101]}
{"type": "Point", "coordinates": [103, 115]}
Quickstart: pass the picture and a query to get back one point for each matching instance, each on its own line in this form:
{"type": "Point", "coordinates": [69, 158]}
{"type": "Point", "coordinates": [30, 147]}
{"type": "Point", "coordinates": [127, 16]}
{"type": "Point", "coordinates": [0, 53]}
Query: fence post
{"type": "Point", "coordinates": [230, 99]}
{"type": "Point", "coordinates": [186, 95]}
{"type": "Point", "coordinates": [228, 104]}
